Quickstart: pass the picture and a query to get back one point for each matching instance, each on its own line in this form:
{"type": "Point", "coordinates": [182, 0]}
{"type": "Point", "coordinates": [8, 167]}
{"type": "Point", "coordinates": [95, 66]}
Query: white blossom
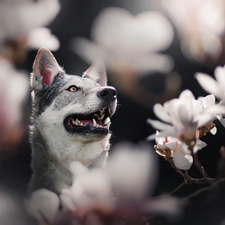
{"type": "Point", "coordinates": [200, 25]}
{"type": "Point", "coordinates": [213, 86]}
{"type": "Point", "coordinates": [43, 205]}
{"type": "Point", "coordinates": [183, 117]}
{"type": "Point", "coordinates": [13, 91]}
{"type": "Point", "coordinates": [19, 18]}
{"type": "Point", "coordinates": [124, 40]}
{"type": "Point", "coordinates": [182, 157]}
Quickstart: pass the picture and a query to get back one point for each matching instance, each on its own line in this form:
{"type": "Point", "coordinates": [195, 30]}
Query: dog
{"type": "Point", "coordinates": [70, 120]}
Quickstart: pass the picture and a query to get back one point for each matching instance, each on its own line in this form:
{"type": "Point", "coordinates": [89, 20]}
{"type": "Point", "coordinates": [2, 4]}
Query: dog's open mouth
{"type": "Point", "coordinates": [97, 122]}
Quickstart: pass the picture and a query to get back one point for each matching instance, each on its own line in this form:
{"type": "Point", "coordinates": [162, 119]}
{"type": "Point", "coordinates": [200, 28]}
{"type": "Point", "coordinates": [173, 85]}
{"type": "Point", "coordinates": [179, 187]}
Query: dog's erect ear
{"type": "Point", "coordinates": [45, 68]}
{"type": "Point", "coordinates": [97, 72]}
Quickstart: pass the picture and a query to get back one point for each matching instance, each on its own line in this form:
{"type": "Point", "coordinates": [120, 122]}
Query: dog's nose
{"type": "Point", "coordinates": [109, 94]}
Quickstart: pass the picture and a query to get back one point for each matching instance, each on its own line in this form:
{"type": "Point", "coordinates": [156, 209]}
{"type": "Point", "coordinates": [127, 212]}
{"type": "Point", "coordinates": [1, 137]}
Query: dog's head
{"type": "Point", "coordinates": [79, 107]}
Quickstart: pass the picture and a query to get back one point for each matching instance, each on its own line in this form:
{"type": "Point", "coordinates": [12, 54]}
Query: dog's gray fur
{"type": "Point", "coordinates": [53, 147]}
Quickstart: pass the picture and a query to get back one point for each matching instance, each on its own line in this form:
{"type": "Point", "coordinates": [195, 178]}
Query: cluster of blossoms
{"type": "Point", "coordinates": [103, 196]}
{"type": "Point", "coordinates": [187, 119]}
{"type": "Point", "coordinates": [200, 25]}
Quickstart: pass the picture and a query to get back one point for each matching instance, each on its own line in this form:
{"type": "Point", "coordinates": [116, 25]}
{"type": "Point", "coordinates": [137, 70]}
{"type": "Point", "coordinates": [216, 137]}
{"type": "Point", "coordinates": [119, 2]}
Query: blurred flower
{"type": "Point", "coordinates": [200, 25]}
{"type": "Point", "coordinates": [124, 40]}
{"type": "Point", "coordinates": [129, 46]}
{"type": "Point", "coordinates": [10, 211]}
{"type": "Point", "coordinates": [216, 87]}
{"type": "Point", "coordinates": [43, 206]}
{"type": "Point", "coordinates": [13, 91]}
{"type": "Point", "coordinates": [129, 180]}
{"type": "Point", "coordinates": [186, 114]}
{"type": "Point", "coordinates": [21, 21]}
{"type": "Point", "coordinates": [42, 36]}
{"type": "Point", "coordinates": [182, 157]}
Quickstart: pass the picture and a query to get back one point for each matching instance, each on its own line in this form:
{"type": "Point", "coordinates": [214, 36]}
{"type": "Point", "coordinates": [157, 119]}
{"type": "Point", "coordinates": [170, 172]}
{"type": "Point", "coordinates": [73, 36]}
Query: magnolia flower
{"type": "Point", "coordinates": [186, 115]}
{"type": "Point", "coordinates": [13, 91]}
{"type": "Point", "coordinates": [28, 15]}
{"type": "Point", "coordinates": [200, 25]}
{"type": "Point", "coordinates": [124, 40]}
{"type": "Point", "coordinates": [43, 206]}
{"type": "Point", "coordinates": [216, 87]}
{"type": "Point", "coordinates": [182, 157]}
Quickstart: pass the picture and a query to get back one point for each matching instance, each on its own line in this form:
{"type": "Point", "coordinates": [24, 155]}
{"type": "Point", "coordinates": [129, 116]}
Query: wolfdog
{"type": "Point", "coordinates": [70, 120]}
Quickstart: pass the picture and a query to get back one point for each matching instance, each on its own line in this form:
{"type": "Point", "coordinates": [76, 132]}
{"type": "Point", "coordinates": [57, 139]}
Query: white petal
{"type": "Point", "coordinates": [87, 50]}
{"type": "Point", "coordinates": [182, 161]}
{"type": "Point", "coordinates": [43, 203]}
{"type": "Point", "coordinates": [210, 85]}
{"type": "Point", "coordinates": [215, 110]}
{"type": "Point", "coordinates": [209, 100]}
{"type": "Point", "coordinates": [185, 115]}
{"type": "Point", "coordinates": [213, 131]}
{"type": "Point", "coordinates": [203, 119]}
{"type": "Point", "coordinates": [42, 36]}
{"type": "Point", "coordinates": [186, 95]}
{"type": "Point", "coordinates": [172, 132]}
{"type": "Point", "coordinates": [158, 125]}
{"type": "Point", "coordinates": [199, 145]}
{"type": "Point", "coordinates": [220, 75]}
{"type": "Point", "coordinates": [161, 113]}
{"type": "Point", "coordinates": [173, 145]}
{"type": "Point", "coordinates": [125, 174]}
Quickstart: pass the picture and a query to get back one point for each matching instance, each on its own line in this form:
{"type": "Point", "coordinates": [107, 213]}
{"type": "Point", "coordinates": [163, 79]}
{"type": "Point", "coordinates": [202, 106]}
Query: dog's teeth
{"type": "Point", "coordinates": [81, 124]}
{"type": "Point", "coordinates": [94, 123]}
{"type": "Point", "coordinates": [107, 120]}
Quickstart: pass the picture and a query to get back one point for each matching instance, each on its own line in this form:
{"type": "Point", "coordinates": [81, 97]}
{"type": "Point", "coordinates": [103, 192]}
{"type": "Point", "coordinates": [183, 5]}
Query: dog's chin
{"type": "Point", "coordinates": [94, 125]}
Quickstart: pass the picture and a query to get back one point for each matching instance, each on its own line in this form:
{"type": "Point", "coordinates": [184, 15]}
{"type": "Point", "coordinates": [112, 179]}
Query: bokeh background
{"type": "Point", "coordinates": [129, 123]}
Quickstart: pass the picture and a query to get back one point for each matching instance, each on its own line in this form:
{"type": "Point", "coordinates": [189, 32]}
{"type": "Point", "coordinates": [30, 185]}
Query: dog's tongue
{"type": "Point", "coordinates": [87, 122]}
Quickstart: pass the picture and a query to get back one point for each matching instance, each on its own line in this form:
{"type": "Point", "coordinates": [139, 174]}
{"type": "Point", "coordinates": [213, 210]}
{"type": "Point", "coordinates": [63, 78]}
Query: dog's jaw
{"type": "Point", "coordinates": [66, 147]}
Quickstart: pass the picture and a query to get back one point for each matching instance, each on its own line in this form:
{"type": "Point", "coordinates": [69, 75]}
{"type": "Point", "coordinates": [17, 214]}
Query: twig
{"type": "Point", "coordinates": [175, 190]}
{"type": "Point", "coordinates": [205, 189]}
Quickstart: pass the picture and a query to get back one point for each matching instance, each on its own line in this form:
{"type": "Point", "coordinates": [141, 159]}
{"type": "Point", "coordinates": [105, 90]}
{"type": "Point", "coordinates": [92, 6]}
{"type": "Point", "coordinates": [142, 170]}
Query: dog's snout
{"type": "Point", "coordinates": [109, 94]}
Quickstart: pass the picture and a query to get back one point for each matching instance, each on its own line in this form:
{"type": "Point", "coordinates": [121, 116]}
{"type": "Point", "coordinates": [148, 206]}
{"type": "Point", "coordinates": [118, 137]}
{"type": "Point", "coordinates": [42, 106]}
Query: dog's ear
{"type": "Point", "coordinates": [45, 69]}
{"type": "Point", "coordinates": [97, 72]}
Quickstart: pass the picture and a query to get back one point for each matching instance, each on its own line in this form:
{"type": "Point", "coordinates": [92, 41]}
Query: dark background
{"type": "Point", "coordinates": [129, 122]}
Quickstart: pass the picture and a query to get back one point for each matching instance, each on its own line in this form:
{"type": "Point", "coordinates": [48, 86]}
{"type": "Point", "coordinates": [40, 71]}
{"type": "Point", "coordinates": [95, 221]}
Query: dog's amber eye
{"type": "Point", "coordinates": [72, 88]}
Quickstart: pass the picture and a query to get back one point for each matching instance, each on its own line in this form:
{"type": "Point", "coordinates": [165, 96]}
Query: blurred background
{"type": "Point", "coordinates": [191, 40]}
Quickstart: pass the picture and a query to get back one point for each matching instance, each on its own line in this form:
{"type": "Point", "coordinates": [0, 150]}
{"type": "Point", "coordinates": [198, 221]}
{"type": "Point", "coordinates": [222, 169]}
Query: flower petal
{"type": "Point", "coordinates": [199, 145]}
{"type": "Point", "coordinates": [43, 205]}
{"type": "Point", "coordinates": [220, 75]}
{"type": "Point", "coordinates": [161, 113]}
{"type": "Point", "coordinates": [187, 95]}
{"type": "Point", "coordinates": [210, 85]}
{"type": "Point", "coordinates": [182, 161]}
{"type": "Point", "coordinates": [172, 132]}
{"type": "Point", "coordinates": [158, 125]}
{"type": "Point", "coordinates": [203, 119]}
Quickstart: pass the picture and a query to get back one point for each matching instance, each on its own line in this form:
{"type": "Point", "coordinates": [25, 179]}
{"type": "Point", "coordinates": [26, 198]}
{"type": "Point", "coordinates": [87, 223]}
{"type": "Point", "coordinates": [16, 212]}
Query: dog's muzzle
{"type": "Point", "coordinates": [97, 122]}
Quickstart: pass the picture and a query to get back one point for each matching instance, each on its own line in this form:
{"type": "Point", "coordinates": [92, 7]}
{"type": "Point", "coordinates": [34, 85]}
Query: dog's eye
{"type": "Point", "coordinates": [72, 88]}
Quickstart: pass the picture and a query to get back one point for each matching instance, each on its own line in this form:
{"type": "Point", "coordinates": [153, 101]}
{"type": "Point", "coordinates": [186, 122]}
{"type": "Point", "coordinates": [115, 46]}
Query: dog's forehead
{"type": "Point", "coordinates": [81, 81]}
